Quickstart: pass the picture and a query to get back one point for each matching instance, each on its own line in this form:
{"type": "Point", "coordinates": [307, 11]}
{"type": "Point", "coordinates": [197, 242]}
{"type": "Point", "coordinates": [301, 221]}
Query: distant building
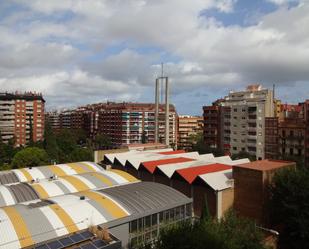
{"type": "Point", "coordinates": [237, 122]}
{"type": "Point", "coordinates": [125, 123]}
{"type": "Point", "coordinates": [187, 127]}
{"type": "Point", "coordinates": [19, 112]}
{"type": "Point", "coordinates": [216, 122]}
{"type": "Point", "coordinates": [285, 135]}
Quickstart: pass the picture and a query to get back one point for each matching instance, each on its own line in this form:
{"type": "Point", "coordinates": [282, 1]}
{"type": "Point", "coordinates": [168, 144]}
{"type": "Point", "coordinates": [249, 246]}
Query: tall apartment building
{"type": "Point", "coordinates": [247, 119]}
{"type": "Point", "coordinates": [286, 134]}
{"type": "Point", "coordinates": [124, 123]}
{"type": "Point", "coordinates": [188, 126]}
{"type": "Point", "coordinates": [18, 113]}
{"type": "Point", "coordinates": [128, 123]}
{"type": "Point", "coordinates": [237, 122]}
{"type": "Point", "coordinates": [217, 120]}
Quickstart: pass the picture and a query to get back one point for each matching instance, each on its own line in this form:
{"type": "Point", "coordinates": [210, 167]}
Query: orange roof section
{"type": "Point", "coordinates": [152, 165]}
{"type": "Point", "coordinates": [174, 152]}
{"type": "Point", "coordinates": [264, 165]}
{"type": "Point", "coordinates": [189, 174]}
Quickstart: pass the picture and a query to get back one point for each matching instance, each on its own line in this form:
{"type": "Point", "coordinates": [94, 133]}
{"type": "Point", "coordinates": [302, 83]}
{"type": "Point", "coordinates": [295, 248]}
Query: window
{"type": "Point", "coordinates": [235, 109]}
{"type": "Point", "coordinates": [234, 148]}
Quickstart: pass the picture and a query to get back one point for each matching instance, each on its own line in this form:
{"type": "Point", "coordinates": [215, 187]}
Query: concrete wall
{"type": "Point", "coordinates": [227, 199]}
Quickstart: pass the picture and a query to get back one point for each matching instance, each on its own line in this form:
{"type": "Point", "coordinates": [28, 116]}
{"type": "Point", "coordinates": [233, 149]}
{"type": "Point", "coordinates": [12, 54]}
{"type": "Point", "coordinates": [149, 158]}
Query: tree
{"type": "Point", "coordinates": [30, 156]}
{"type": "Point", "coordinates": [50, 143]}
{"type": "Point", "coordinates": [199, 145]}
{"type": "Point", "coordinates": [243, 154]}
{"type": "Point", "coordinates": [81, 154]}
{"type": "Point", "coordinates": [290, 207]}
{"type": "Point", "coordinates": [144, 137]}
{"type": "Point", "coordinates": [102, 141]}
{"type": "Point", "coordinates": [231, 232]}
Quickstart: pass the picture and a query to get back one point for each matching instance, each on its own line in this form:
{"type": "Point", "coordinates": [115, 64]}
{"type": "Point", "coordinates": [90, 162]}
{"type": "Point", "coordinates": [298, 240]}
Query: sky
{"type": "Point", "coordinates": [79, 52]}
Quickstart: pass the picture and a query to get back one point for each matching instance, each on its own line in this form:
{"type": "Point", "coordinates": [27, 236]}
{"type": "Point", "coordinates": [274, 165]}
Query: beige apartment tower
{"type": "Point", "coordinates": [245, 126]}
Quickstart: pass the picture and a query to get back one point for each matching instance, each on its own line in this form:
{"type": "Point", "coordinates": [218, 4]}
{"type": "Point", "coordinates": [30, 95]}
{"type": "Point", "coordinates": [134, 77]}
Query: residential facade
{"type": "Point", "coordinates": [188, 126]}
{"type": "Point", "coordinates": [124, 123]}
{"type": "Point", "coordinates": [21, 116]}
{"type": "Point", "coordinates": [237, 122]}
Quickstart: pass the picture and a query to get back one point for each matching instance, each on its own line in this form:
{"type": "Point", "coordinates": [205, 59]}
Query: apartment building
{"type": "Point", "coordinates": [188, 126]}
{"type": "Point", "coordinates": [285, 135]}
{"type": "Point", "coordinates": [124, 123]}
{"type": "Point", "coordinates": [19, 112]}
{"type": "Point", "coordinates": [129, 123]}
{"type": "Point", "coordinates": [248, 110]}
{"type": "Point", "coordinates": [217, 120]}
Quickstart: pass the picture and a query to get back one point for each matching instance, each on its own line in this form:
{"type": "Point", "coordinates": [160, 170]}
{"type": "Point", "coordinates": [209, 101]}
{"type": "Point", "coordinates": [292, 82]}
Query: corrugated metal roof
{"type": "Point", "coordinates": [217, 180]}
{"type": "Point", "coordinates": [24, 225]}
{"type": "Point", "coordinates": [152, 165]}
{"type": "Point", "coordinates": [189, 174]}
{"type": "Point", "coordinates": [22, 192]}
{"type": "Point", "coordinates": [143, 198]}
{"type": "Point", "coordinates": [169, 169]}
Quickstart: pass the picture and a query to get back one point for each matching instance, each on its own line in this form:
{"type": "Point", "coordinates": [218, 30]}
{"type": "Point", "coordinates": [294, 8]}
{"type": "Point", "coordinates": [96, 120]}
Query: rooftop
{"type": "Point", "coordinates": [189, 174]}
{"type": "Point", "coordinates": [265, 165]}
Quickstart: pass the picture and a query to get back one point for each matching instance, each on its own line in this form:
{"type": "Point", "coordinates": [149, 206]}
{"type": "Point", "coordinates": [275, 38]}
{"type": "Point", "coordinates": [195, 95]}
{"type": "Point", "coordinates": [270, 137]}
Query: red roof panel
{"type": "Point", "coordinates": [172, 152]}
{"type": "Point", "coordinates": [189, 174]}
{"type": "Point", "coordinates": [152, 165]}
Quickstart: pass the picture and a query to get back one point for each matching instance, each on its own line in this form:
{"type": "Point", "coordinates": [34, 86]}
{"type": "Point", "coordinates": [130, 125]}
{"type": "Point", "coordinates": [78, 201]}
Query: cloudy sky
{"type": "Point", "coordinates": [86, 51]}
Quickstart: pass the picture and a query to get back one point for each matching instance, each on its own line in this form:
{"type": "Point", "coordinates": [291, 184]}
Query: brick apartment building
{"type": "Point", "coordinates": [286, 134]}
{"type": "Point", "coordinates": [18, 113]}
{"type": "Point", "coordinates": [188, 126]}
{"type": "Point", "coordinates": [124, 123]}
{"type": "Point", "coordinates": [217, 123]}
{"type": "Point", "coordinates": [237, 122]}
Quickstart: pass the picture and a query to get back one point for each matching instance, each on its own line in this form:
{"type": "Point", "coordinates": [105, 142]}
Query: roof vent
{"type": "Point", "coordinates": [82, 198]}
{"type": "Point", "coordinates": [30, 167]}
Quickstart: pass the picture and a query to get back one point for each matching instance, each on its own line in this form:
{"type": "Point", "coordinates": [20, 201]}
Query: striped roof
{"type": "Point", "coordinates": [28, 224]}
{"type": "Point", "coordinates": [45, 172]}
{"type": "Point", "coordinates": [21, 192]}
{"type": "Point", "coordinates": [189, 174]}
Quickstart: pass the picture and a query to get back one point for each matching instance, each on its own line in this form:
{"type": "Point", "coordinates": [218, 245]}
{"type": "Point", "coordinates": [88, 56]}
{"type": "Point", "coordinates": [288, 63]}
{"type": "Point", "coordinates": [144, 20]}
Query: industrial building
{"type": "Point", "coordinates": [21, 116]}
{"type": "Point", "coordinates": [204, 178]}
{"type": "Point", "coordinates": [201, 177]}
{"type": "Point", "coordinates": [81, 205]}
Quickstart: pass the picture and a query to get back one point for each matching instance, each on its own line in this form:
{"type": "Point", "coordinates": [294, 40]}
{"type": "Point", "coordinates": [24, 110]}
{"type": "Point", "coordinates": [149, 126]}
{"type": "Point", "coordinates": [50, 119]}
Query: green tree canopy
{"type": "Point", "coordinates": [290, 207]}
{"type": "Point", "coordinates": [102, 141]}
{"type": "Point", "coordinates": [243, 154]}
{"type": "Point", "coordinates": [229, 233]}
{"type": "Point", "coordinates": [81, 154]}
{"type": "Point", "coordinates": [199, 145]}
{"type": "Point", "coordinates": [30, 156]}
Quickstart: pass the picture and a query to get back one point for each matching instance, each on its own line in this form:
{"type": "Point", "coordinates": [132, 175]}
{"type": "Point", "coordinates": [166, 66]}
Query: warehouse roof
{"type": "Point", "coordinates": [147, 197]}
{"type": "Point", "coordinates": [217, 180]}
{"type": "Point", "coordinates": [152, 165]}
{"type": "Point", "coordinates": [45, 172]}
{"type": "Point", "coordinates": [22, 192]}
{"type": "Point", "coordinates": [172, 152]}
{"type": "Point", "coordinates": [24, 225]}
{"type": "Point", "coordinates": [189, 174]}
{"type": "Point", "coordinates": [264, 165]}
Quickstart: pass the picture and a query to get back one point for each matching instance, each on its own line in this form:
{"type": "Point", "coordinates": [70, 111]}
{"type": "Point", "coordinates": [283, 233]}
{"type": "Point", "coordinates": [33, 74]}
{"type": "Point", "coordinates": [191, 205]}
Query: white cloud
{"type": "Point", "coordinates": [52, 55]}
